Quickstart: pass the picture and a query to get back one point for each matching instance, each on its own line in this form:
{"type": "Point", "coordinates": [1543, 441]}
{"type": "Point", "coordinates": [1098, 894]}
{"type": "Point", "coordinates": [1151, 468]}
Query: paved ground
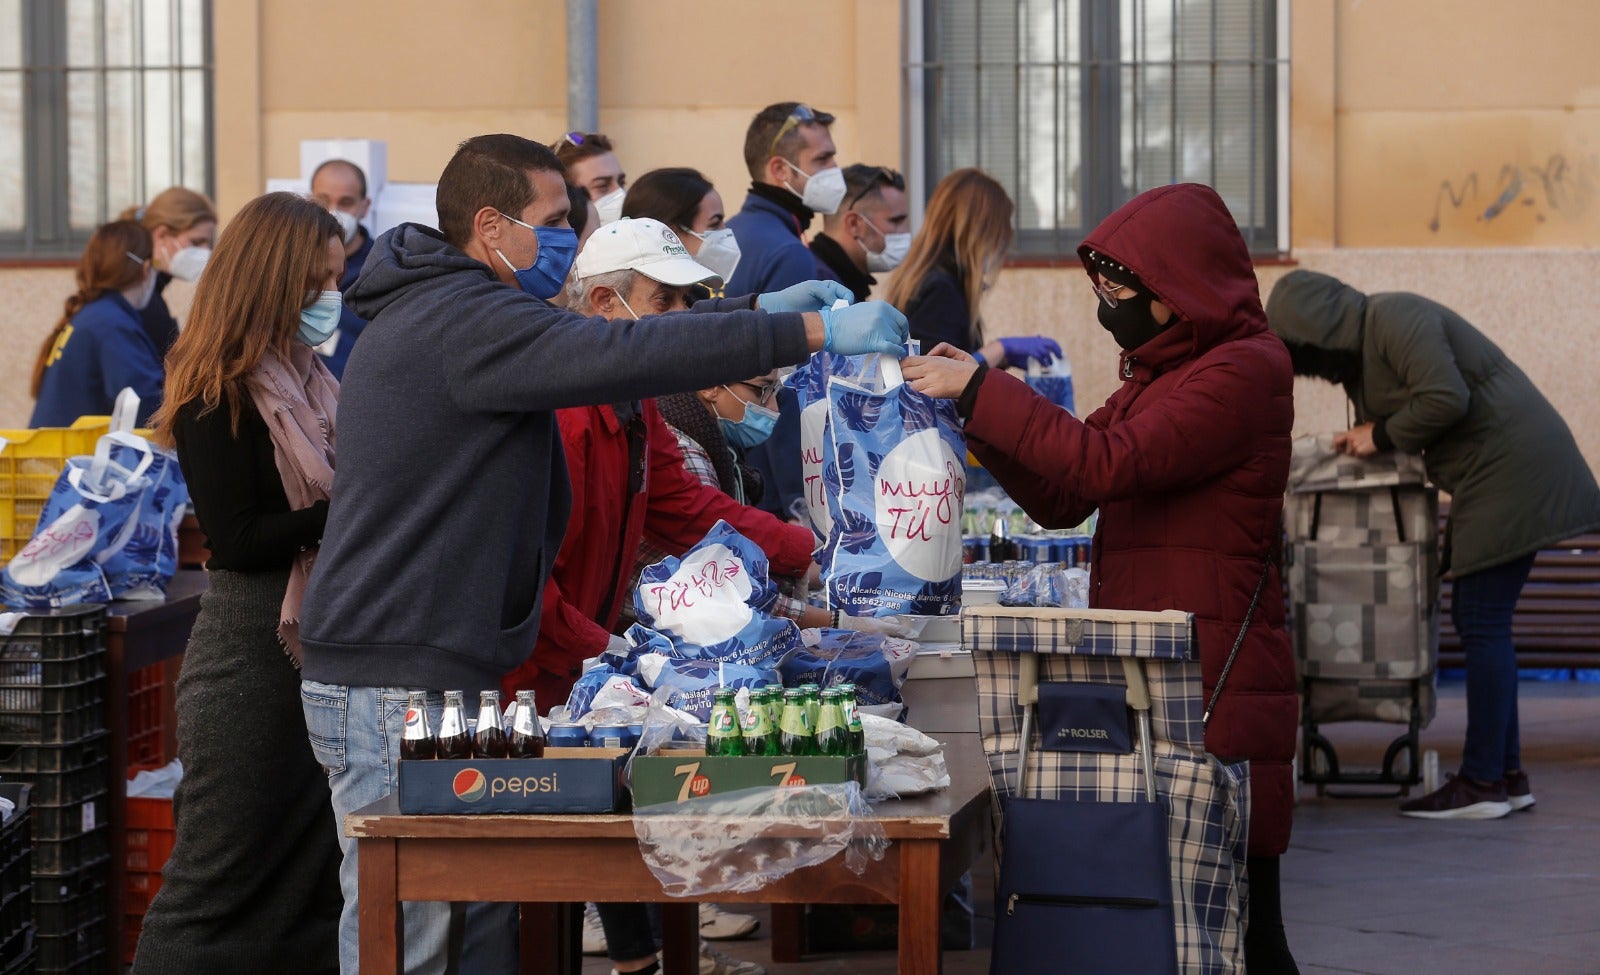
{"type": "Point", "coordinates": [1367, 891]}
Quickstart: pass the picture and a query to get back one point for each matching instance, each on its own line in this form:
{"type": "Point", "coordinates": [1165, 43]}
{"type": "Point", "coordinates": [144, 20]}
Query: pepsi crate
{"type": "Point", "coordinates": [37, 763]}
{"type": "Point", "coordinates": [81, 950]}
{"type": "Point", "coordinates": [565, 780]}
{"type": "Point", "coordinates": [64, 788]}
{"type": "Point", "coordinates": [146, 719]}
{"type": "Point", "coordinates": [17, 952]}
{"type": "Point", "coordinates": [678, 775]}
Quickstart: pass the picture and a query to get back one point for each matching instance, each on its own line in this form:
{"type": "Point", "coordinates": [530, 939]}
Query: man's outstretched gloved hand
{"type": "Point", "coordinates": [805, 296]}
{"type": "Point", "coordinates": [872, 326]}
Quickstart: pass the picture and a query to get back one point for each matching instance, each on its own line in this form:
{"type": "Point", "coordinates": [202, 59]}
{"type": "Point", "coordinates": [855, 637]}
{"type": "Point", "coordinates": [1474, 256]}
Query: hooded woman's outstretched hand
{"type": "Point", "coordinates": [942, 373]}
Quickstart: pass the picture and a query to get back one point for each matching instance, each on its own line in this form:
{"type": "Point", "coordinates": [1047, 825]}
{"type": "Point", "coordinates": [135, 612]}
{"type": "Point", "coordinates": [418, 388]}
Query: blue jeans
{"type": "Point", "coordinates": [355, 734]}
{"type": "Point", "coordinates": [1481, 606]}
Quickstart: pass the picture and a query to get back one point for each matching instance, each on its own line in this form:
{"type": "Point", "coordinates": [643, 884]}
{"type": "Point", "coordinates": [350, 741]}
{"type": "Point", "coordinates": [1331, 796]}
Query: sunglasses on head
{"type": "Point", "coordinates": [801, 115]}
{"type": "Point", "coordinates": [883, 177]}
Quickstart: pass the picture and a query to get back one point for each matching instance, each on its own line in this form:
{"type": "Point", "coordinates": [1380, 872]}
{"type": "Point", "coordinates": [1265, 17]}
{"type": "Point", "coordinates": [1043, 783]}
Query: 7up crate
{"type": "Point", "coordinates": [680, 775]}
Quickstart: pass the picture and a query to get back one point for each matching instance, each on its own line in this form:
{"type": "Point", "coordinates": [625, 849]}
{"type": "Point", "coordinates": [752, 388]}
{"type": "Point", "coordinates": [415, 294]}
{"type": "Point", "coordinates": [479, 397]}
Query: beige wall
{"type": "Point", "coordinates": [679, 81]}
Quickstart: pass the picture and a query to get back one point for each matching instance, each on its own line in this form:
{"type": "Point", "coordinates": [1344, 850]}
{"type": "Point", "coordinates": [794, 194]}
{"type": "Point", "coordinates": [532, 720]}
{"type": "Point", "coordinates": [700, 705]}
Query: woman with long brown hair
{"type": "Point", "coordinates": [253, 881]}
{"type": "Point", "coordinates": [98, 346]}
{"type": "Point", "coordinates": [182, 225]}
{"type": "Point", "coordinates": [954, 259]}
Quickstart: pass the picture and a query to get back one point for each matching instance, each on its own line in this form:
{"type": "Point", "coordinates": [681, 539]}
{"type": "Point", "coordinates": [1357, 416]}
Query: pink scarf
{"type": "Point", "coordinates": [299, 400]}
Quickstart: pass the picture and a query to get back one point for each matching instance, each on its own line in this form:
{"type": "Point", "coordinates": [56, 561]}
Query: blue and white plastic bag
{"type": "Point", "coordinates": [895, 480]}
{"type": "Point", "coordinates": [810, 385]}
{"type": "Point", "coordinates": [1053, 382]}
{"type": "Point", "coordinates": [712, 604]}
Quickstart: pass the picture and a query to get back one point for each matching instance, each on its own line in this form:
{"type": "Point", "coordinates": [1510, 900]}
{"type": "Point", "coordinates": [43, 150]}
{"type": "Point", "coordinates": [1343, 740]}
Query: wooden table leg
{"type": "Point", "coordinates": [680, 938]}
{"type": "Point", "coordinates": [919, 908]}
{"type": "Point", "coordinates": [380, 921]}
{"type": "Point", "coordinates": [539, 939]}
{"type": "Point", "coordinates": [788, 932]}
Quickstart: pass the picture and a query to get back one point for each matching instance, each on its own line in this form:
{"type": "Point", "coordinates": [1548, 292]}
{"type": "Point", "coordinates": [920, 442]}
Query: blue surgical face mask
{"type": "Point", "coordinates": [321, 320]}
{"type": "Point", "coordinates": [753, 429]}
{"type": "Point", "coordinates": [558, 248]}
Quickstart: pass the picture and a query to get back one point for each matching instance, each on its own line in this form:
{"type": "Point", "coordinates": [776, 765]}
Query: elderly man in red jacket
{"type": "Point", "coordinates": [629, 482]}
{"type": "Point", "coordinates": [1187, 463]}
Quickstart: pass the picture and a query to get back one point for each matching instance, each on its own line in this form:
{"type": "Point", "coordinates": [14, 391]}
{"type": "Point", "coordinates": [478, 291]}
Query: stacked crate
{"type": "Point", "coordinates": [16, 900]}
{"type": "Point", "coordinates": [53, 737]}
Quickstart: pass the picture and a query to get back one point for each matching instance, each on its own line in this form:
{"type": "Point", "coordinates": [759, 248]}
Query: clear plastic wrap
{"type": "Point", "coordinates": [739, 842]}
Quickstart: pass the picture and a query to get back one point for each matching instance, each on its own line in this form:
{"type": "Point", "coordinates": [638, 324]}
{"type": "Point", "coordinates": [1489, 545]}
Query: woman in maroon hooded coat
{"type": "Point", "coordinates": [1187, 464]}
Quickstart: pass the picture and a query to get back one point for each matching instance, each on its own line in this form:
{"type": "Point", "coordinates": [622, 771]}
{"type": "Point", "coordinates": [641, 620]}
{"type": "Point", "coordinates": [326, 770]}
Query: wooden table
{"type": "Point", "coordinates": [140, 634]}
{"type": "Point", "coordinates": [545, 860]}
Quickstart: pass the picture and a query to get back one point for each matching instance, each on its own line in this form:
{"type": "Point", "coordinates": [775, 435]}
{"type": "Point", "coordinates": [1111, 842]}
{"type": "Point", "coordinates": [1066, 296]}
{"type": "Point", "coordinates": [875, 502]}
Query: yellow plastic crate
{"type": "Point", "coordinates": [30, 463]}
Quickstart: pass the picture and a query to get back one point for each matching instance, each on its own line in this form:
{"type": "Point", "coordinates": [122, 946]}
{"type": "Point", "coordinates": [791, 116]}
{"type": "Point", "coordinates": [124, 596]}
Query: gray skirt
{"type": "Point", "coordinates": [253, 881]}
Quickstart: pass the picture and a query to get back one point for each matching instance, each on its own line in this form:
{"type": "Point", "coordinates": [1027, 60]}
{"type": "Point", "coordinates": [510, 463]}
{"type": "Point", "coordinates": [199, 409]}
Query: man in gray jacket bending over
{"type": "Point", "coordinates": [451, 495]}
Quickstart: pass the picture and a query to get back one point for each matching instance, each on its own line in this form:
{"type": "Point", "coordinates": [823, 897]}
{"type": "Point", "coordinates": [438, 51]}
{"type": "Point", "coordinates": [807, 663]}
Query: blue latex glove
{"type": "Point", "coordinates": [872, 326]}
{"type": "Point", "coordinates": [805, 296]}
{"type": "Point", "coordinates": [1021, 348]}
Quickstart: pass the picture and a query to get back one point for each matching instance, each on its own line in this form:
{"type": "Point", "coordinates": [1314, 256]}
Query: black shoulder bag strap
{"type": "Point", "coordinates": [1255, 600]}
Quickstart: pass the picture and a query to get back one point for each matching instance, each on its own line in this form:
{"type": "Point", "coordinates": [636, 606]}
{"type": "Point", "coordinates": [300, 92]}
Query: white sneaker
{"type": "Point", "coordinates": [719, 925]}
{"type": "Point", "coordinates": [594, 936]}
{"type": "Point", "coordinates": [714, 962]}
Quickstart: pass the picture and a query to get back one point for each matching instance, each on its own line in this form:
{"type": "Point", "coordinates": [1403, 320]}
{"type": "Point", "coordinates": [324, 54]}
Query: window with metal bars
{"type": "Point", "coordinates": [103, 104]}
{"type": "Point", "coordinates": [1077, 106]}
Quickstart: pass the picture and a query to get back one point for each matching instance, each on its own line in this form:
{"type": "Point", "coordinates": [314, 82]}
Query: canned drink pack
{"type": "Point", "coordinates": [567, 736]}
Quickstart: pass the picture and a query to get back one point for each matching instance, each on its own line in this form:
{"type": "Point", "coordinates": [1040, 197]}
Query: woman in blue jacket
{"type": "Point", "coordinates": [99, 345]}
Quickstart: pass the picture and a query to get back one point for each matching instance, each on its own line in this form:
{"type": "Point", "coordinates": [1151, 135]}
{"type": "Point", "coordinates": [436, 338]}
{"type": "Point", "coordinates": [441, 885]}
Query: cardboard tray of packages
{"type": "Point", "coordinates": [677, 775]}
{"type": "Point", "coordinates": [1164, 635]}
{"type": "Point", "coordinates": [565, 780]}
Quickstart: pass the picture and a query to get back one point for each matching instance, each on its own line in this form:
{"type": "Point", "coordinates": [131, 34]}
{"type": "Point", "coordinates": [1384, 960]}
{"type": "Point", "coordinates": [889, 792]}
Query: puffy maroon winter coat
{"type": "Point", "coordinates": [1187, 463]}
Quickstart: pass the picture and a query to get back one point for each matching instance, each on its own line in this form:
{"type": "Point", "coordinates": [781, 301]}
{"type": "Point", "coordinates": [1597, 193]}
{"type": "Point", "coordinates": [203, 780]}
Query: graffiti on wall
{"type": "Point", "coordinates": [1561, 187]}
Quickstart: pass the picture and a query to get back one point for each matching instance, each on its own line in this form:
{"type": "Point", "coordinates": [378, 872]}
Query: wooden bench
{"type": "Point", "coordinates": [1557, 620]}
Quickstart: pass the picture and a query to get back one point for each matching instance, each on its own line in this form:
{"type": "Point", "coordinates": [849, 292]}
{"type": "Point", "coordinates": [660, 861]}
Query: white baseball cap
{"type": "Point", "coordinates": [644, 245]}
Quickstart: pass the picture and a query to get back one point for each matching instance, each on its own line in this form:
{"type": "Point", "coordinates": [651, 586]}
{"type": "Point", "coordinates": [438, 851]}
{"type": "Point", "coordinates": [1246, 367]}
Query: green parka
{"type": "Point", "coordinates": [1432, 384]}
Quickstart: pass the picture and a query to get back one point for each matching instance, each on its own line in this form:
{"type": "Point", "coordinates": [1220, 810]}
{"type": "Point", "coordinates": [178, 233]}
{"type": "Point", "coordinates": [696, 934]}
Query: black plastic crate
{"type": "Point", "coordinates": [82, 950]}
{"type": "Point", "coordinates": [64, 856]}
{"type": "Point", "coordinates": [66, 903]}
{"type": "Point", "coordinates": [27, 962]}
{"type": "Point", "coordinates": [31, 763]}
{"type": "Point", "coordinates": [51, 670]}
{"type": "Point", "coordinates": [16, 924]}
{"type": "Point", "coordinates": [65, 788]}
{"type": "Point", "coordinates": [49, 714]}
{"type": "Point", "coordinates": [16, 836]}
{"type": "Point", "coordinates": [51, 824]}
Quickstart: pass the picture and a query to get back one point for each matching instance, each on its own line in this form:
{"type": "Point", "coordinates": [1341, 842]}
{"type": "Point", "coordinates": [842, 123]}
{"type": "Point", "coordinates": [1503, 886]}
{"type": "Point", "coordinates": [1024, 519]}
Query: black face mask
{"type": "Point", "coordinates": [1131, 322]}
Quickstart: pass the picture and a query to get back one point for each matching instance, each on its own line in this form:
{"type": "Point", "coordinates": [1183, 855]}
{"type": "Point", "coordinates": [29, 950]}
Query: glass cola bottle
{"type": "Point", "coordinates": [454, 742]}
{"type": "Point", "coordinates": [489, 741]}
{"type": "Point", "coordinates": [416, 741]}
{"type": "Point", "coordinates": [527, 735]}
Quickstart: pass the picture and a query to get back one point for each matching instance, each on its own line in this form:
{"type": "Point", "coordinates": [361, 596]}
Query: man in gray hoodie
{"type": "Point", "coordinates": [451, 495]}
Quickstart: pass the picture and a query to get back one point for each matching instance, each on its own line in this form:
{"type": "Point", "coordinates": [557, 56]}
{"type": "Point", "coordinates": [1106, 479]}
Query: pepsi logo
{"type": "Point", "coordinates": [470, 785]}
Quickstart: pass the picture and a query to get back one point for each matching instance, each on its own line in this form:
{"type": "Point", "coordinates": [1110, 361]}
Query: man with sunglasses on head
{"type": "Point", "coordinates": [870, 233]}
{"type": "Point", "coordinates": [591, 162]}
{"type": "Point", "coordinates": [794, 176]}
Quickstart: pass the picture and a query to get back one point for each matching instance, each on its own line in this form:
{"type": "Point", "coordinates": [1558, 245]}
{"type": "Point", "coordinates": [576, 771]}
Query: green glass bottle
{"type": "Point", "coordinates": [794, 734]}
{"type": "Point", "coordinates": [833, 737]}
{"type": "Point", "coordinates": [723, 736]}
{"type": "Point", "coordinates": [852, 720]}
{"type": "Point", "coordinates": [813, 703]}
{"type": "Point", "coordinates": [772, 698]}
{"type": "Point", "coordinates": [760, 734]}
